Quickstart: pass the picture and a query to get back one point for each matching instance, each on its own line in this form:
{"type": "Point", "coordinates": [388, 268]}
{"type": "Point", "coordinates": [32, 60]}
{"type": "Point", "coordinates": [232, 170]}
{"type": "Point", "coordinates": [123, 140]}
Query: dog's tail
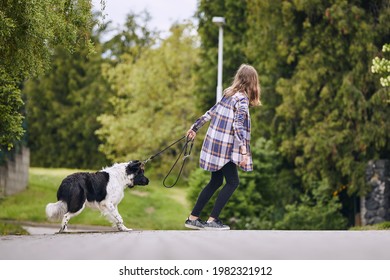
{"type": "Point", "coordinates": [55, 211]}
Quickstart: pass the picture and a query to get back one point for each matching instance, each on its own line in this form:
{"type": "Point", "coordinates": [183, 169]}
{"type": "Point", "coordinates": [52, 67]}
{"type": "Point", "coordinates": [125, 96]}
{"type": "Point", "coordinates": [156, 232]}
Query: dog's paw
{"type": "Point", "coordinates": [63, 229]}
{"type": "Point", "coordinates": [121, 227]}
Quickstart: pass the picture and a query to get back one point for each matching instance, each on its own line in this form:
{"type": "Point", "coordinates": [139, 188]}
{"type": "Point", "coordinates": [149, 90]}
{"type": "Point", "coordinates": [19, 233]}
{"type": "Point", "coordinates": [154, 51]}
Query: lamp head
{"type": "Point", "coordinates": [220, 21]}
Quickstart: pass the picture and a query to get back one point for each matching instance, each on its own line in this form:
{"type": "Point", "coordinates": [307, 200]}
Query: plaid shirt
{"type": "Point", "coordinates": [229, 129]}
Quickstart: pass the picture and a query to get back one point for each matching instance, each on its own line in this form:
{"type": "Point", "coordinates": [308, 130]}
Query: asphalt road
{"type": "Point", "coordinates": [199, 245]}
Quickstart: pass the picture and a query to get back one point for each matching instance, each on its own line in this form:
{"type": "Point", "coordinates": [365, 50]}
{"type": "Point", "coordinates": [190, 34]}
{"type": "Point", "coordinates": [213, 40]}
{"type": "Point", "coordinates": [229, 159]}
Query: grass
{"type": "Point", "coordinates": [149, 207]}
{"type": "Point", "coordinates": [380, 226]}
{"type": "Point", "coordinates": [12, 229]}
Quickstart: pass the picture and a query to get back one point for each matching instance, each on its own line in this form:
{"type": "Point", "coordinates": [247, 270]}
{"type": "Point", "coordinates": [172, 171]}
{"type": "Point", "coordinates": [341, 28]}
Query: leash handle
{"type": "Point", "coordinates": [186, 155]}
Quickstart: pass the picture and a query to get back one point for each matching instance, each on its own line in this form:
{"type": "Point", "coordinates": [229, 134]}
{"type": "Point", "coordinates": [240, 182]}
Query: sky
{"type": "Point", "coordinates": [163, 12]}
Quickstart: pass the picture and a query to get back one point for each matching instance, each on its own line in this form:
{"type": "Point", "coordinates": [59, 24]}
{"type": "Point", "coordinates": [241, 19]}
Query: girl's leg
{"type": "Point", "coordinates": [230, 173]}
{"type": "Point", "coordinates": [208, 191]}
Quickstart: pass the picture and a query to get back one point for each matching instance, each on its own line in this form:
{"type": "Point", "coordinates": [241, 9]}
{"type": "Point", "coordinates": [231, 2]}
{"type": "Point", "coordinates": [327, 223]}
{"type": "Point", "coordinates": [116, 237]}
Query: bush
{"type": "Point", "coordinates": [380, 226]}
{"type": "Point", "coordinates": [317, 210]}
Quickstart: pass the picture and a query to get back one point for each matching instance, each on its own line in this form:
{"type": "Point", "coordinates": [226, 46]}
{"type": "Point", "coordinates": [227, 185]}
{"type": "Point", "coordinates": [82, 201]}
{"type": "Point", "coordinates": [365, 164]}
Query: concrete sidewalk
{"type": "Point", "coordinates": [200, 245]}
{"type": "Point", "coordinates": [39, 228]}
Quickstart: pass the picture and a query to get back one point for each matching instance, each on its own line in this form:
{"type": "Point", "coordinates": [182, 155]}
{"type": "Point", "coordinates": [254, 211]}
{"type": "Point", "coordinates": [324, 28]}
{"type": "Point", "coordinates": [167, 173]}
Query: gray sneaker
{"type": "Point", "coordinates": [194, 224]}
{"type": "Point", "coordinates": [216, 225]}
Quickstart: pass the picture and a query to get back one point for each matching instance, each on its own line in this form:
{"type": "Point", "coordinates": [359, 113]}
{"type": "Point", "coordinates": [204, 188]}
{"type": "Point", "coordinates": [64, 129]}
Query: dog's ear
{"type": "Point", "coordinates": [133, 167]}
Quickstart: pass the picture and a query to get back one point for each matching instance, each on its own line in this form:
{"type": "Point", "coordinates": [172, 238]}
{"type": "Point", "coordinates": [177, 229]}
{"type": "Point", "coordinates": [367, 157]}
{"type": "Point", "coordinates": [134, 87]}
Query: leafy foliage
{"type": "Point", "coordinates": [11, 118]}
{"type": "Point", "coordinates": [380, 226]}
{"type": "Point", "coordinates": [28, 32]}
{"type": "Point", "coordinates": [133, 39]}
{"type": "Point", "coordinates": [316, 210]}
{"type": "Point", "coordinates": [63, 106]}
{"type": "Point", "coordinates": [382, 66]}
{"type": "Point", "coordinates": [331, 120]}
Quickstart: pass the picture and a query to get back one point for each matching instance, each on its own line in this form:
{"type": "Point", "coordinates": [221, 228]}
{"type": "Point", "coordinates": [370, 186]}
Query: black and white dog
{"type": "Point", "coordinates": [103, 190]}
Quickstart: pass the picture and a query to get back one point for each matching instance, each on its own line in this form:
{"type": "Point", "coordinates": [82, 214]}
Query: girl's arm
{"type": "Point", "coordinates": [241, 109]}
{"type": "Point", "coordinates": [203, 119]}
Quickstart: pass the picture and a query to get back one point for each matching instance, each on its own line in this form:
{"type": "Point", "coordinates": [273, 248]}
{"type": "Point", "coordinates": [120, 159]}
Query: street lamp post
{"type": "Point", "coordinates": [220, 21]}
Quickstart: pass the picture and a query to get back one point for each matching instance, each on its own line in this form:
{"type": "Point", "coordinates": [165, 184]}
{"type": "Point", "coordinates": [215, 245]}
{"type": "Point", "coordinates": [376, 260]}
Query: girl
{"type": "Point", "coordinates": [226, 145]}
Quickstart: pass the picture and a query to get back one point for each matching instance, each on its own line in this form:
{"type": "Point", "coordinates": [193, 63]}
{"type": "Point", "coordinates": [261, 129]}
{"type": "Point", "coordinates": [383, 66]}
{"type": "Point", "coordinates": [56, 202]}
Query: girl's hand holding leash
{"type": "Point", "coordinates": [191, 134]}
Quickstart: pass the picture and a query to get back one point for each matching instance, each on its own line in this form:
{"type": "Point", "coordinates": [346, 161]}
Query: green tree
{"type": "Point", "coordinates": [28, 32]}
{"type": "Point", "coordinates": [153, 100]}
{"type": "Point", "coordinates": [131, 39]}
{"type": "Point", "coordinates": [10, 106]}
{"type": "Point", "coordinates": [266, 49]}
{"type": "Point", "coordinates": [234, 13]}
{"type": "Point", "coordinates": [329, 121]}
{"type": "Point", "coordinates": [63, 106]}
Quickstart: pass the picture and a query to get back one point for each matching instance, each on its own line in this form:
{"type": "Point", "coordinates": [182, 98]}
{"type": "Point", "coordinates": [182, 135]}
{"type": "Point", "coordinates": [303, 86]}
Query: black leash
{"type": "Point", "coordinates": [185, 150]}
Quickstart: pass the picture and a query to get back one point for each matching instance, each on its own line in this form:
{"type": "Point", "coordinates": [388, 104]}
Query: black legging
{"type": "Point", "coordinates": [229, 171]}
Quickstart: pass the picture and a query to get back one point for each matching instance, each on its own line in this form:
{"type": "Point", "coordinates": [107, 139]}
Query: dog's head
{"type": "Point", "coordinates": [135, 169]}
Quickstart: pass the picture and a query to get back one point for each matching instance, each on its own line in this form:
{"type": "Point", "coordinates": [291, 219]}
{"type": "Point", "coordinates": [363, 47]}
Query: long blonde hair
{"type": "Point", "coordinates": [246, 80]}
